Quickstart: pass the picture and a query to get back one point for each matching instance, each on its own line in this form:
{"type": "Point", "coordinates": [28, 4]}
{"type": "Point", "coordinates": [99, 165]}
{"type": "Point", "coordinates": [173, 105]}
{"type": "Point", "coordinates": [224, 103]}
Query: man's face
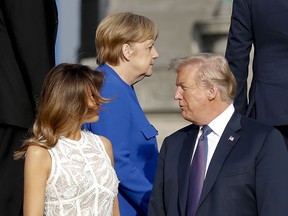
{"type": "Point", "coordinates": [193, 100]}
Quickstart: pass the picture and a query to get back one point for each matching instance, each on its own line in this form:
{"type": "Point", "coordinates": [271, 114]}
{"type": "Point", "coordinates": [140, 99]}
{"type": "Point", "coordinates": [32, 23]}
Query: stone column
{"type": "Point", "coordinates": [211, 33]}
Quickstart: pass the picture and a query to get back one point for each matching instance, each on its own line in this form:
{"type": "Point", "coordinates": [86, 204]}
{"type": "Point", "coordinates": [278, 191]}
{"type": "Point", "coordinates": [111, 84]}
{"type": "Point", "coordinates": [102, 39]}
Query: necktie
{"type": "Point", "coordinates": [197, 172]}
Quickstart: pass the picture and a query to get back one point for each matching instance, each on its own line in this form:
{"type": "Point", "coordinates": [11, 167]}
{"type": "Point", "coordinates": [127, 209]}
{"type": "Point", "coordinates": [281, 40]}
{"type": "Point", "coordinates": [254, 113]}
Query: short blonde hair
{"type": "Point", "coordinates": [212, 69]}
{"type": "Point", "coordinates": [118, 29]}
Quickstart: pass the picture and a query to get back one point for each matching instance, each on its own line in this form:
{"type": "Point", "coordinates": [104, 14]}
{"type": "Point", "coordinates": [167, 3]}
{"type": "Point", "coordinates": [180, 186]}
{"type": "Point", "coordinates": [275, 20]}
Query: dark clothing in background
{"type": "Point", "coordinates": [261, 23]}
{"type": "Point", "coordinates": [28, 32]}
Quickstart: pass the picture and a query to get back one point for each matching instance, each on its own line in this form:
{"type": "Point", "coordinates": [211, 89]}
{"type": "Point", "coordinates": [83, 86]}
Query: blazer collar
{"type": "Point", "coordinates": [227, 141]}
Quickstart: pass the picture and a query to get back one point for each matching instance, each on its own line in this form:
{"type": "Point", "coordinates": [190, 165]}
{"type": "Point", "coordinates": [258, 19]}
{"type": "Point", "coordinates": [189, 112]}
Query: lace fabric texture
{"type": "Point", "coordinates": [82, 180]}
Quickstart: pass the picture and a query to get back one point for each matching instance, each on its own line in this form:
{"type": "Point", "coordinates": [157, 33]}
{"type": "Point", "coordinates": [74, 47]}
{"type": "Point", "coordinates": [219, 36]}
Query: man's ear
{"type": "Point", "coordinates": [212, 92]}
{"type": "Point", "coordinates": [126, 50]}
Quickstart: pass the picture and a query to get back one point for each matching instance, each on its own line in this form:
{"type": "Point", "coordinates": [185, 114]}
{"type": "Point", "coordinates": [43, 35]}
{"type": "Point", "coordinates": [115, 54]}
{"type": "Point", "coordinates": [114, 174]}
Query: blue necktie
{"type": "Point", "coordinates": [197, 172]}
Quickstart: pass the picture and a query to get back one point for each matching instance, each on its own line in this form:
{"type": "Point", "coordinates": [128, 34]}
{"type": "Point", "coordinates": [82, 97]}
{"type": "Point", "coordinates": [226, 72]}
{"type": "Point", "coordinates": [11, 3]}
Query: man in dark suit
{"type": "Point", "coordinates": [261, 23]}
{"type": "Point", "coordinates": [246, 169]}
{"type": "Point", "coordinates": [27, 39]}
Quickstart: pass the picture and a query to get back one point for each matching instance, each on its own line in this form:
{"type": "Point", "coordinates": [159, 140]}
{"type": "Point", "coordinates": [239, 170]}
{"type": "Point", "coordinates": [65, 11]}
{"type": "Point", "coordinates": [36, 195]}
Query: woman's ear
{"type": "Point", "coordinates": [127, 52]}
{"type": "Point", "coordinates": [90, 99]}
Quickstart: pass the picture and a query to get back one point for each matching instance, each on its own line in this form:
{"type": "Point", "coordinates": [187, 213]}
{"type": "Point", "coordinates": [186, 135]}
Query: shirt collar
{"type": "Point", "coordinates": [219, 123]}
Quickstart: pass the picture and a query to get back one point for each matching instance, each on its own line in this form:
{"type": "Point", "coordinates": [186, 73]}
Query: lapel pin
{"type": "Point", "coordinates": [231, 138]}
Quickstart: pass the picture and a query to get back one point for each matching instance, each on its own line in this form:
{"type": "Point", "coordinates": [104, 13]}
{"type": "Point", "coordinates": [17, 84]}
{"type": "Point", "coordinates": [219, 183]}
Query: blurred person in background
{"type": "Point", "coordinates": [27, 39]}
{"type": "Point", "coordinates": [261, 23]}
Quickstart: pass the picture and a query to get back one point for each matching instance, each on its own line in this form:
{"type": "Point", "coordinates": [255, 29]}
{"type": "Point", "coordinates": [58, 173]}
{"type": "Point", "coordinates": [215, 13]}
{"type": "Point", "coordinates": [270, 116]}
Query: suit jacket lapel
{"type": "Point", "coordinates": [227, 141]}
{"type": "Point", "coordinates": [184, 167]}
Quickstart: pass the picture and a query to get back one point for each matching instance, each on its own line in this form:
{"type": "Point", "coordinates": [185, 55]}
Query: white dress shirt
{"type": "Point", "coordinates": [217, 125]}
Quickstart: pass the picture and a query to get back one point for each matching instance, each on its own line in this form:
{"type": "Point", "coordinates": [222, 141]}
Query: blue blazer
{"type": "Point", "coordinates": [247, 175]}
{"type": "Point", "coordinates": [134, 143]}
{"type": "Point", "coordinates": [262, 23]}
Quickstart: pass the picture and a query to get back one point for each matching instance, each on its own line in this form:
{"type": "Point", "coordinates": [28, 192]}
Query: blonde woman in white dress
{"type": "Point", "coordinates": [69, 171]}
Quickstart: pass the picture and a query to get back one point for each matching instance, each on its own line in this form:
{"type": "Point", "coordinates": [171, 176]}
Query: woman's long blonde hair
{"type": "Point", "coordinates": [63, 104]}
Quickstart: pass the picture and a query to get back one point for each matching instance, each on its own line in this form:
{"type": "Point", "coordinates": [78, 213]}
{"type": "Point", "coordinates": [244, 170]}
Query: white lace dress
{"type": "Point", "coordinates": [82, 180]}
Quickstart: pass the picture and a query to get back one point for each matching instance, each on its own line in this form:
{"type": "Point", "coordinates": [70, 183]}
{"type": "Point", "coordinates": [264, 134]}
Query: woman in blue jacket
{"type": "Point", "coordinates": [126, 53]}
